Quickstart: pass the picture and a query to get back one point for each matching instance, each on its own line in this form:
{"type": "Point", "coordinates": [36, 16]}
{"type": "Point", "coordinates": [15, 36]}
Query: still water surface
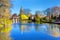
{"type": "Point", "coordinates": [33, 31]}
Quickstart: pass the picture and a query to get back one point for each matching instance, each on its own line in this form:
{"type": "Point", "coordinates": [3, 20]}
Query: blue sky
{"type": "Point", "coordinates": [33, 5]}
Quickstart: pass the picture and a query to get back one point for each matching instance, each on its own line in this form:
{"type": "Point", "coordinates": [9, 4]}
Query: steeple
{"type": "Point", "coordinates": [21, 10]}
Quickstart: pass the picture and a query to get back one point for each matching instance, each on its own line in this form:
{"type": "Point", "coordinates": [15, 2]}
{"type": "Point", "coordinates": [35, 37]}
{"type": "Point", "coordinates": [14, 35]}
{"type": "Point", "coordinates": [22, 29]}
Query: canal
{"type": "Point", "coordinates": [32, 31]}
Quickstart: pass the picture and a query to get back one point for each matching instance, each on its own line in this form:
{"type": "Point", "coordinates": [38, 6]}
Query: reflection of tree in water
{"type": "Point", "coordinates": [54, 29]}
{"type": "Point", "coordinates": [4, 36]}
{"type": "Point", "coordinates": [28, 28]}
{"type": "Point", "coordinates": [37, 27]}
{"type": "Point", "coordinates": [22, 28]}
{"type": "Point", "coordinates": [59, 27]}
{"type": "Point", "coordinates": [25, 28]}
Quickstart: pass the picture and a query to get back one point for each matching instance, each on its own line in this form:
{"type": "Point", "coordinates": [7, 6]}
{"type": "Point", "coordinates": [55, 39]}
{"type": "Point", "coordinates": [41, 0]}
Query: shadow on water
{"type": "Point", "coordinates": [32, 31]}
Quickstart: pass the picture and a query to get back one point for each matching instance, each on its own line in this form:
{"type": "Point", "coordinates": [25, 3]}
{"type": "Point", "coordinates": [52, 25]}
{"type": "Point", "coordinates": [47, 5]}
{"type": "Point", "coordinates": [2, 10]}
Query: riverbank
{"type": "Point", "coordinates": [52, 22]}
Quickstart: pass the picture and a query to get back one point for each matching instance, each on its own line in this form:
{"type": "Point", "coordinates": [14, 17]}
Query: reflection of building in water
{"type": "Point", "coordinates": [22, 28]}
{"type": "Point", "coordinates": [54, 29]}
{"type": "Point", "coordinates": [15, 18]}
{"type": "Point", "coordinates": [25, 28]}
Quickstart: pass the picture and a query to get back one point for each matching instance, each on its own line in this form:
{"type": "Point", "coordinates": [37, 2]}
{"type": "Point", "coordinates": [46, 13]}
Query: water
{"type": "Point", "coordinates": [33, 31]}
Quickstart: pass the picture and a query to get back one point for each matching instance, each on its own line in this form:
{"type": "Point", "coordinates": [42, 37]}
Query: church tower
{"type": "Point", "coordinates": [21, 10]}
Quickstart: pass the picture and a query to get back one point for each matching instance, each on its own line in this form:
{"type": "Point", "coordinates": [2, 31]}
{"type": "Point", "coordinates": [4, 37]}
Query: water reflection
{"type": "Point", "coordinates": [26, 27]}
{"type": "Point", "coordinates": [33, 27]}
{"type": "Point", "coordinates": [52, 29]}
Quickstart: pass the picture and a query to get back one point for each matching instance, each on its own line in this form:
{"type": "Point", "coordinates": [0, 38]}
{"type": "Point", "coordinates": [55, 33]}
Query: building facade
{"type": "Point", "coordinates": [15, 18]}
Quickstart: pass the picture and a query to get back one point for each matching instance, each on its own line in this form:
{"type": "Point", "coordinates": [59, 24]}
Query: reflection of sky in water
{"type": "Point", "coordinates": [32, 32]}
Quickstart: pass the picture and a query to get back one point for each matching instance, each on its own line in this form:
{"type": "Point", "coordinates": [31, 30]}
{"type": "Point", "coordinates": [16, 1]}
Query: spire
{"type": "Point", "coordinates": [21, 10]}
